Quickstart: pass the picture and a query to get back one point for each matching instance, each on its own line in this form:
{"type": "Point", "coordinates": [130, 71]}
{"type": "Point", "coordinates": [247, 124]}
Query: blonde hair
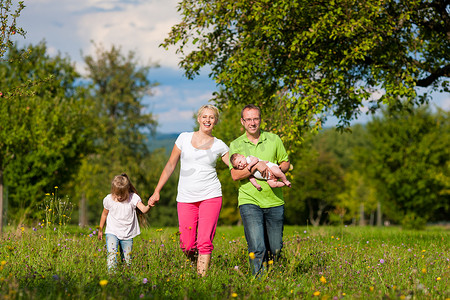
{"type": "Point", "coordinates": [121, 187]}
{"type": "Point", "coordinates": [211, 107]}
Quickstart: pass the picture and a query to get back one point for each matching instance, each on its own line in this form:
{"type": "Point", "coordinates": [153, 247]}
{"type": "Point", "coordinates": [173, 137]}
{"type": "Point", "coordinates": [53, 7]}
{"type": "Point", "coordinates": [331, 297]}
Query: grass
{"type": "Point", "coordinates": [318, 263]}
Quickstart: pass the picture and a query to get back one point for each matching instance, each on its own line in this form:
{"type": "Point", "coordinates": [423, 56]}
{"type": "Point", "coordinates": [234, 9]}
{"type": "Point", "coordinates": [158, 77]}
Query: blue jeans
{"type": "Point", "coordinates": [115, 246]}
{"type": "Point", "coordinates": [263, 229]}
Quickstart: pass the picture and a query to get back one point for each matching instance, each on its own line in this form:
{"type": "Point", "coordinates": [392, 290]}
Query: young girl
{"type": "Point", "coordinates": [120, 216]}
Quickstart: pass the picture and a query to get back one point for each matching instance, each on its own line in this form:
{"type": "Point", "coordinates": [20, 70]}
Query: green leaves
{"type": "Point", "coordinates": [340, 51]}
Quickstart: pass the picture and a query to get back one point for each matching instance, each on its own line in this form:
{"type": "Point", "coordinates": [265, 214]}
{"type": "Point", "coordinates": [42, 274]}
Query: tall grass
{"type": "Point", "coordinates": [319, 263]}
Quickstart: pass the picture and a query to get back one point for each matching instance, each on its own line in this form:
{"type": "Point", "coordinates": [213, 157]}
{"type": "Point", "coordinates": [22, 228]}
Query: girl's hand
{"type": "Point", "coordinates": [100, 235]}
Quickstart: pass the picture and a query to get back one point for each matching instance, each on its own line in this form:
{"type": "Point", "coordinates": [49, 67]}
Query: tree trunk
{"type": "Point", "coordinates": [83, 211]}
{"type": "Point", "coordinates": [362, 222]}
{"type": "Point", "coordinates": [379, 216]}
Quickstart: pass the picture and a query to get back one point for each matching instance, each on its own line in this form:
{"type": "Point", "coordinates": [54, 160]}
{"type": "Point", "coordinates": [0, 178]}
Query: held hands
{"type": "Point", "coordinates": [153, 199]}
{"type": "Point", "coordinates": [100, 234]}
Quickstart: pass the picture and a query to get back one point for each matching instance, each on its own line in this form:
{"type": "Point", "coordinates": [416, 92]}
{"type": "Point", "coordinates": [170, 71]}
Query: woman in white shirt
{"type": "Point", "coordinates": [199, 197]}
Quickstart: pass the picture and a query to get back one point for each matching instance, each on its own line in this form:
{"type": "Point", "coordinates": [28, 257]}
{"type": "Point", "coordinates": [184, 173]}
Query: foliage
{"type": "Point", "coordinates": [409, 158]}
{"type": "Point", "coordinates": [117, 85]}
{"type": "Point", "coordinates": [303, 60]}
{"type": "Point", "coordinates": [8, 24]}
{"type": "Point", "coordinates": [346, 262]}
{"type": "Point", "coordinates": [43, 134]}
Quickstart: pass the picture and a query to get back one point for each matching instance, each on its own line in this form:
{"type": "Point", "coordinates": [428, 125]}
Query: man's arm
{"type": "Point", "coordinates": [245, 173]}
{"type": "Point", "coordinates": [284, 166]}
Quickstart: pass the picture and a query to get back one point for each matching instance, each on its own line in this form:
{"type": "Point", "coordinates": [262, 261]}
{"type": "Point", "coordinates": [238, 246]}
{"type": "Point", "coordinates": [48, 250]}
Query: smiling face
{"type": "Point", "coordinates": [207, 118]}
{"type": "Point", "coordinates": [251, 119]}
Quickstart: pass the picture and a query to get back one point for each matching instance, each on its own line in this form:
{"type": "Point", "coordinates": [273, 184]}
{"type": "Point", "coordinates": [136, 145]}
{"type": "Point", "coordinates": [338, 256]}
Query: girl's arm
{"type": "Point", "coordinates": [102, 223]}
{"type": "Point", "coordinates": [165, 175]}
{"type": "Point", "coordinates": [143, 208]}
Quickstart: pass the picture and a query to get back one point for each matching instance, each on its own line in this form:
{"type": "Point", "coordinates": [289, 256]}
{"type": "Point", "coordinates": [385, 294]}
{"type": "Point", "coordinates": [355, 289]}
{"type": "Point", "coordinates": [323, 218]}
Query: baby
{"type": "Point", "coordinates": [239, 161]}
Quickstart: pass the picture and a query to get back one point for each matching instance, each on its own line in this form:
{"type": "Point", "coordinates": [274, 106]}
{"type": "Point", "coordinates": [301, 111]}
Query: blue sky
{"type": "Point", "coordinates": [69, 26]}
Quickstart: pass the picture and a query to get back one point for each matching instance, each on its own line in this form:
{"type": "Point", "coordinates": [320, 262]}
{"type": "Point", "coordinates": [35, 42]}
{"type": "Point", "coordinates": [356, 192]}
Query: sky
{"type": "Point", "coordinates": [70, 26]}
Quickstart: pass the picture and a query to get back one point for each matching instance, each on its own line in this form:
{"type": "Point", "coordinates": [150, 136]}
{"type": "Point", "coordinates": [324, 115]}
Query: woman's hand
{"type": "Point", "coordinates": [153, 199]}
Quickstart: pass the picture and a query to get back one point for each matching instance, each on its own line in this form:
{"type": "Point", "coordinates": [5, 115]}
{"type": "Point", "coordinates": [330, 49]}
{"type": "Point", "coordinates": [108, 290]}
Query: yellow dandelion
{"type": "Point", "coordinates": [439, 278]}
{"type": "Point", "coordinates": [234, 295]}
{"type": "Point", "coordinates": [402, 297]}
{"type": "Point", "coordinates": [48, 194]}
{"type": "Point", "coordinates": [332, 236]}
{"type": "Point", "coordinates": [371, 288]}
{"type": "Point", "coordinates": [316, 293]}
{"type": "Point", "coordinates": [251, 255]}
{"type": "Point", "coordinates": [3, 262]}
{"type": "Point", "coordinates": [56, 187]}
{"type": "Point", "coordinates": [424, 271]}
{"type": "Point", "coordinates": [343, 294]}
{"type": "Point", "coordinates": [103, 282]}
{"type": "Point", "coordinates": [323, 280]}
{"type": "Point", "coordinates": [424, 250]}
{"type": "Point", "coordinates": [270, 262]}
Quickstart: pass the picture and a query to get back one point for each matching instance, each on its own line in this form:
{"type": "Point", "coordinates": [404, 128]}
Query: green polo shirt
{"type": "Point", "coordinates": [271, 148]}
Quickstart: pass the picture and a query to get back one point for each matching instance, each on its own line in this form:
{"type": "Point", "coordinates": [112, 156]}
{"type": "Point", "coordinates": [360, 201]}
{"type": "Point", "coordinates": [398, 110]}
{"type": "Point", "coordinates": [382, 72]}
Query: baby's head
{"type": "Point", "coordinates": [238, 161]}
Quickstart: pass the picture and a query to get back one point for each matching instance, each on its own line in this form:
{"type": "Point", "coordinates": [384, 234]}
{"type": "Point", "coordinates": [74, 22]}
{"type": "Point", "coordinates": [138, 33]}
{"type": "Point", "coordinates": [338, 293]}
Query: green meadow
{"type": "Point", "coordinates": [317, 263]}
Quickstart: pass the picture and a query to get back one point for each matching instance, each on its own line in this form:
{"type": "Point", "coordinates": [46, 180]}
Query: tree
{"type": "Point", "coordinates": [408, 158]}
{"type": "Point", "coordinates": [8, 21]}
{"type": "Point", "coordinates": [118, 84]}
{"type": "Point", "coordinates": [303, 60]}
{"type": "Point", "coordinates": [43, 133]}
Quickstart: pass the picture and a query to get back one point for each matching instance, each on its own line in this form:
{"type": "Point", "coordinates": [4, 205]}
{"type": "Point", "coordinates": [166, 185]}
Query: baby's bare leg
{"type": "Point", "coordinates": [253, 181]}
{"type": "Point", "coordinates": [273, 183]}
{"type": "Point", "coordinates": [276, 171]}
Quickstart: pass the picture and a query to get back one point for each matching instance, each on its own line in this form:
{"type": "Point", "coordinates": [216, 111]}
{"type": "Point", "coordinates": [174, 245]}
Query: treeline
{"type": "Point", "coordinates": [61, 128]}
{"type": "Point", "coordinates": [393, 170]}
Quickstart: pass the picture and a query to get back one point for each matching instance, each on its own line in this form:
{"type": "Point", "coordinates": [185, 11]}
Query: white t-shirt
{"type": "Point", "coordinates": [257, 174]}
{"type": "Point", "coordinates": [198, 177]}
{"type": "Point", "coordinates": [122, 219]}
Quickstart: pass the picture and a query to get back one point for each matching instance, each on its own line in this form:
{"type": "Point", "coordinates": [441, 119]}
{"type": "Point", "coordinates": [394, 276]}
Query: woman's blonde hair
{"type": "Point", "coordinates": [211, 107]}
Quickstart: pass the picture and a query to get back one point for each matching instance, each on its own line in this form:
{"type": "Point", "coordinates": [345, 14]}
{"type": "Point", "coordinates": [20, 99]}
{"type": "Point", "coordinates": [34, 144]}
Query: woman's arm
{"type": "Point", "coordinates": [226, 158]}
{"type": "Point", "coordinates": [165, 175]}
{"type": "Point", "coordinates": [102, 223]}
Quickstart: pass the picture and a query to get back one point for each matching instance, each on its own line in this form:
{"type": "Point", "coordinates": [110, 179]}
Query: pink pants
{"type": "Point", "coordinates": [197, 224]}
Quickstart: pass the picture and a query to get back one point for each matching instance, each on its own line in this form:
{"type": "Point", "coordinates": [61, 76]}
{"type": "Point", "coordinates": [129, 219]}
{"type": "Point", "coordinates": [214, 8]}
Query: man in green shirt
{"type": "Point", "coordinates": [262, 212]}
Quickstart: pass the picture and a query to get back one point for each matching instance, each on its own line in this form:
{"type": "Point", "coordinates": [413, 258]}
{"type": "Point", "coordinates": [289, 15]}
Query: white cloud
{"type": "Point", "coordinates": [139, 26]}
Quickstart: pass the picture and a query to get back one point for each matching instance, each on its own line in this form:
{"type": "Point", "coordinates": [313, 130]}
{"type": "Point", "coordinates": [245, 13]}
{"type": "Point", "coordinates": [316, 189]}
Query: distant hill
{"type": "Point", "coordinates": [162, 140]}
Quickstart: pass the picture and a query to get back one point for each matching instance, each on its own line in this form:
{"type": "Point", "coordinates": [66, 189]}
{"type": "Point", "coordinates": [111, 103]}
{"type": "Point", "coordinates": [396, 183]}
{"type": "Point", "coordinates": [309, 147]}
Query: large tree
{"type": "Point", "coordinates": [303, 60]}
{"type": "Point", "coordinates": [118, 84]}
{"type": "Point", "coordinates": [409, 160]}
{"type": "Point", "coordinates": [43, 132]}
